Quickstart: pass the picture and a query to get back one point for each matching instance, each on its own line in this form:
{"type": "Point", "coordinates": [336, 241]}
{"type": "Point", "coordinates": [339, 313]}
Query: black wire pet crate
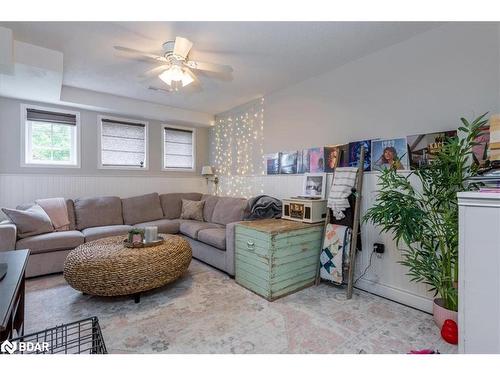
{"type": "Point", "coordinates": [80, 337]}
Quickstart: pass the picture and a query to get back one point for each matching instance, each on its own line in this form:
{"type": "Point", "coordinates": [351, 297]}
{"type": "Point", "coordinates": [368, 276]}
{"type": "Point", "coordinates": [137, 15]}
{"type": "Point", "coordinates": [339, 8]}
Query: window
{"type": "Point", "coordinates": [178, 148]}
{"type": "Point", "coordinates": [123, 144]}
{"type": "Point", "coordinates": [50, 137]}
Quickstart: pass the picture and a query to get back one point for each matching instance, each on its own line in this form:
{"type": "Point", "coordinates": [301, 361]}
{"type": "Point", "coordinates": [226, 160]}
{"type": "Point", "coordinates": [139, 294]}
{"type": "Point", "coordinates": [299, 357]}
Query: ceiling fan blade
{"type": "Point", "coordinates": [182, 47]}
{"type": "Point", "coordinates": [193, 76]}
{"type": "Point", "coordinates": [155, 71]}
{"type": "Point", "coordinates": [209, 67]}
{"type": "Point", "coordinates": [169, 90]}
{"type": "Point", "coordinates": [140, 53]}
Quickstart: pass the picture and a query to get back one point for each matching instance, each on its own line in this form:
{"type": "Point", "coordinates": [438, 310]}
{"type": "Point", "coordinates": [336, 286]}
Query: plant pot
{"type": "Point", "coordinates": [441, 313]}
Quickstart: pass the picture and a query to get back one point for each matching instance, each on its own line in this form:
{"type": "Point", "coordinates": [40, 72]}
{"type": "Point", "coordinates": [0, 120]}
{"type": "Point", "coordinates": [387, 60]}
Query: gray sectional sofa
{"type": "Point", "coordinates": [212, 240]}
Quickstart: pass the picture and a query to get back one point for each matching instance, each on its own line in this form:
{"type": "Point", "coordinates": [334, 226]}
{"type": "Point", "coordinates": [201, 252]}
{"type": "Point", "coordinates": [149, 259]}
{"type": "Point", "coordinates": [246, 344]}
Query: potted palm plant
{"type": "Point", "coordinates": [424, 215]}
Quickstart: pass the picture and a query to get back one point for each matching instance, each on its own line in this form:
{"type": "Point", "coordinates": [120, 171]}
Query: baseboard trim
{"type": "Point", "coordinates": [395, 294]}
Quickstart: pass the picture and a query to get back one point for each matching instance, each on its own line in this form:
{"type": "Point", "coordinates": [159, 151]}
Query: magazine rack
{"type": "Point", "coordinates": [355, 226]}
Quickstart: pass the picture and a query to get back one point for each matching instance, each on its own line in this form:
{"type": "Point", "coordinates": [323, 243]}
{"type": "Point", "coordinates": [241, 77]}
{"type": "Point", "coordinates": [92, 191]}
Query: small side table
{"type": "Point", "coordinates": [276, 257]}
{"type": "Point", "coordinates": [12, 293]}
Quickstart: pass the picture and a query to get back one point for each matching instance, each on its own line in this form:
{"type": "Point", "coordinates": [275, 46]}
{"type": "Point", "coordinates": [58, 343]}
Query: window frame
{"type": "Point", "coordinates": [99, 144]}
{"type": "Point", "coordinates": [193, 144]}
{"type": "Point", "coordinates": [26, 141]}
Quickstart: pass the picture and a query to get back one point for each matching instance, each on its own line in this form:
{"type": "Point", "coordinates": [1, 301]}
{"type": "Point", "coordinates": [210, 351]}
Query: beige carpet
{"type": "Point", "coordinates": [207, 312]}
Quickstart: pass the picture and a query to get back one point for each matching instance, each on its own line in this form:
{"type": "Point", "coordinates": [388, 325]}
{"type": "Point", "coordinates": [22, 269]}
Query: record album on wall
{"type": "Point", "coordinates": [344, 155]}
{"type": "Point", "coordinates": [389, 153]}
{"type": "Point", "coordinates": [332, 158]}
{"type": "Point", "coordinates": [303, 161]}
{"type": "Point", "coordinates": [288, 162]}
{"type": "Point", "coordinates": [316, 160]}
{"type": "Point", "coordinates": [272, 163]}
{"type": "Point", "coordinates": [422, 148]}
{"type": "Point", "coordinates": [355, 153]}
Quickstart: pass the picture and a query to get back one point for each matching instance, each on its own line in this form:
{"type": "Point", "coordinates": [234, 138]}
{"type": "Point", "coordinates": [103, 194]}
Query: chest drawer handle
{"type": "Point", "coordinates": [250, 244]}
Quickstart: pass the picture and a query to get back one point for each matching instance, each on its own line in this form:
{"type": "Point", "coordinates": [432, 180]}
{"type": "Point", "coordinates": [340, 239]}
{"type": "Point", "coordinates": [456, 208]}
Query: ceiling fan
{"type": "Point", "coordinates": [176, 69]}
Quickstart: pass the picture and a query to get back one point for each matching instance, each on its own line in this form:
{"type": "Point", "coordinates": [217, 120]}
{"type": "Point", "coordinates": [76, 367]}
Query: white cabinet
{"type": "Point", "coordinates": [479, 273]}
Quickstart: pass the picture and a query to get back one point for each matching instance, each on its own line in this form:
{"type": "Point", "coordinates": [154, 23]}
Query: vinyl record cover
{"type": "Point", "coordinates": [288, 162]}
{"type": "Point", "coordinates": [332, 158]}
{"type": "Point", "coordinates": [422, 147]}
{"type": "Point", "coordinates": [316, 160]}
{"type": "Point", "coordinates": [272, 163]}
{"type": "Point", "coordinates": [355, 151]}
{"type": "Point", "coordinates": [344, 155]}
{"type": "Point", "coordinates": [303, 161]}
{"type": "Point", "coordinates": [389, 153]}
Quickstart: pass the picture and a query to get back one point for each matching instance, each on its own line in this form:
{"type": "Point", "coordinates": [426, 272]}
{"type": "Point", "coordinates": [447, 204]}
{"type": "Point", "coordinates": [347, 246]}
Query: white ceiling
{"type": "Point", "coordinates": [265, 56]}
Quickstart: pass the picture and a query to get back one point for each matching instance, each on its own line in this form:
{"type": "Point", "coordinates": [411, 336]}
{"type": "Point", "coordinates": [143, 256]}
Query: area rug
{"type": "Point", "coordinates": [207, 312]}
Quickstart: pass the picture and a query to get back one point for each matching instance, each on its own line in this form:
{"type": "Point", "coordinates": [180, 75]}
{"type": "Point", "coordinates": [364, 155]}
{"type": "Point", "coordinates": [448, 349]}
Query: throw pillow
{"type": "Point", "coordinates": [192, 210]}
{"type": "Point", "coordinates": [30, 222]}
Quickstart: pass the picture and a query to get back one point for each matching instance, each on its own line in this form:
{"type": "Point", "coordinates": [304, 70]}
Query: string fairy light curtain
{"type": "Point", "coordinates": [237, 147]}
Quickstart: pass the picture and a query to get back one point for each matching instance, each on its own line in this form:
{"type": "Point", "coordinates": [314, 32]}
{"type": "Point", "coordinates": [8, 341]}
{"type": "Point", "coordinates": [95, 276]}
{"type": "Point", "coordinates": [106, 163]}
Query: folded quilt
{"type": "Point", "coordinates": [344, 180]}
{"type": "Point", "coordinates": [334, 258]}
{"type": "Point", "coordinates": [57, 211]}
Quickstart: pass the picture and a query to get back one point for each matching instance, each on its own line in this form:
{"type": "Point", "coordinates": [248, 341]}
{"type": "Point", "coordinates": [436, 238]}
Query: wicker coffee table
{"type": "Point", "coordinates": [107, 268]}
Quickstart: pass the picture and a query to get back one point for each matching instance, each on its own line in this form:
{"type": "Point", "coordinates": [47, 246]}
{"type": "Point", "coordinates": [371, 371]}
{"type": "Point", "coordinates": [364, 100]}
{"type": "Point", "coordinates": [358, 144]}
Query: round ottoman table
{"type": "Point", "coordinates": [106, 267]}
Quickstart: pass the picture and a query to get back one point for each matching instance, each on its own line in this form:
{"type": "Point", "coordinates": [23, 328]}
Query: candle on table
{"type": "Point", "coordinates": [151, 234]}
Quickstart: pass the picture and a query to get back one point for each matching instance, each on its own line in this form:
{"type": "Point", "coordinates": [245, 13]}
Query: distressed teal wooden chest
{"type": "Point", "coordinates": [276, 257]}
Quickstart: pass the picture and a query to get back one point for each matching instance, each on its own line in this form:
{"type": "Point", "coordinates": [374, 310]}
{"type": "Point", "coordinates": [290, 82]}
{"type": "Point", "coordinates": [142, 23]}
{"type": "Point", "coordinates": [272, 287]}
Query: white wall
{"type": "Point", "coordinates": [424, 84]}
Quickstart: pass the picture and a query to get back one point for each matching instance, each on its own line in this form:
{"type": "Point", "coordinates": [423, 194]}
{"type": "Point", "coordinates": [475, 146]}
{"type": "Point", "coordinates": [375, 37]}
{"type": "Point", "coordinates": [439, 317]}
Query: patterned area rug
{"type": "Point", "coordinates": [207, 312]}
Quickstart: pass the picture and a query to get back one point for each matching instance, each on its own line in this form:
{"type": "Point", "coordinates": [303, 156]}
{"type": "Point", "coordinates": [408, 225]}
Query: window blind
{"type": "Point", "coordinates": [51, 117]}
{"type": "Point", "coordinates": [123, 143]}
{"type": "Point", "coordinates": [178, 148]}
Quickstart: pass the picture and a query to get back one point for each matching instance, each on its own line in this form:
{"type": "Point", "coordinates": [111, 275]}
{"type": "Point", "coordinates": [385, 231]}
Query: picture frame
{"type": "Point", "coordinates": [314, 185]}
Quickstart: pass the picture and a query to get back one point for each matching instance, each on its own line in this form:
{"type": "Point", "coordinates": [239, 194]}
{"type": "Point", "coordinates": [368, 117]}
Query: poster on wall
{"type": "Point", "coordinates": [316, 160]}
{"type": "Point", "coordinates": [389, 153]}
{"type": "Point", "coordinates": [344, 155]}
{"type": "Point", "coordinates": [355, 152]}
{"type": "Point", "coordinates": [422, 148]}
{"type": "Point", "coordinates": [288, 162]}
{"type": "Point", "coordinates": [303, 161]}
{"type": "Point", "coordinates": [272, 163]}
{"type": "Point", "coordinates": [332, 158]}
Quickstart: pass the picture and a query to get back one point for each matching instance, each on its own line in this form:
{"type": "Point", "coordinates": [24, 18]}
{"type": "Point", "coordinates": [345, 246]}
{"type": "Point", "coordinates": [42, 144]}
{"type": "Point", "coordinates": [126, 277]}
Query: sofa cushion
{"type": "Point", "coordinates": [48, 242]}
{"type": "Point", "coordinates": [69, 205]}
{"type": "Point", "coordinates": [98, 212]}
{"type": "Point", "coordinates": [96, 233]}
{"type": "Point", "coordinates": [192, 210]}
{"type": "Point", "coordinates": [214, 236]}
{"type": "Point", "coordinates": [141, 208]}
{"type": "Point", "coordinates": [164, 225]}
{"type": "Point", "coordinates": [192, 227]}
{"type": "Point", "coordinates": [171, 203]}
{"type": "Point", "coordinates": [208, 209]}
{"type": "Point", "coordinates": [228, 210]}
{"type": "Point", "coordinates": [30, 222]}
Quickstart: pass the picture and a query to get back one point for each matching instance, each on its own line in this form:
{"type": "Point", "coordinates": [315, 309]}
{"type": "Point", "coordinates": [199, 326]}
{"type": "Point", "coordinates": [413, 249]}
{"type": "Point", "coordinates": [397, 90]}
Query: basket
{"type": "Point", "coordinates": [80, 337]}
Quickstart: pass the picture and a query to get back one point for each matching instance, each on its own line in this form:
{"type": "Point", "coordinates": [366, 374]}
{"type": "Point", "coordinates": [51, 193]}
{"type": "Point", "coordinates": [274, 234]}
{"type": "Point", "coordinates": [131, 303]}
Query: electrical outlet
{"type": "Point", "coordinates": [379, 248]}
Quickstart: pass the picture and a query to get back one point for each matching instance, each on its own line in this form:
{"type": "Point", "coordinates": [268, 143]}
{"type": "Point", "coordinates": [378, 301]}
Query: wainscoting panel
{"type": "Point", "coordinates": [22, 188]}
{"type": "Point", "coordinates": [385, 276]}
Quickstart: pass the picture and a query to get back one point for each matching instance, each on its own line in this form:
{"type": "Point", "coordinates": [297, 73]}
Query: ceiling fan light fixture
{"type": "Point", "coordinates": [175, 75]}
